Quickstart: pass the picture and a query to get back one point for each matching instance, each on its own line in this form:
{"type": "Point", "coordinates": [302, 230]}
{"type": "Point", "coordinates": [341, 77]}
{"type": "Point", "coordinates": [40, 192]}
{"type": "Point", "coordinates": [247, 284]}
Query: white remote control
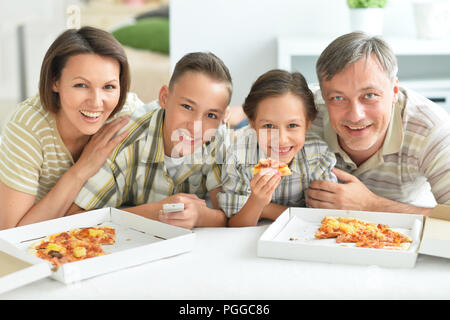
{"type": "Point", "coordinates": [173, 207]}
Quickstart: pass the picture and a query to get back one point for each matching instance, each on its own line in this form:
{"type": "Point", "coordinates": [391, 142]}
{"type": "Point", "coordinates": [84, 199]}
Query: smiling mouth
{"type": "Point", "coordinates": [188, 139]}
{"type": "Point", "coordinates": [357, 128]}
{"type": "Point", "coordinates": [91, 115]}
{"type": "Point", "coordinates": [283, 150]}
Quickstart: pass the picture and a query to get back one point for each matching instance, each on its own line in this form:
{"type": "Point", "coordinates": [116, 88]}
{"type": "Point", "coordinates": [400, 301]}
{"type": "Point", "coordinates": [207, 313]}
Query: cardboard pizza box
{"type": "Point", "coordinates": [138, 240]}
{"type": "Point", "coordinates": [18, 269]}
{"type": "Point", "coordinates": [436, 233]}
{"type": "Point", "coordinates": [291, 236]}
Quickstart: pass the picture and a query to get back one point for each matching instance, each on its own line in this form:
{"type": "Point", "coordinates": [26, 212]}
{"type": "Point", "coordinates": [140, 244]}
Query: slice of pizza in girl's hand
{"type": "Point", "coordinates": [282, 167]}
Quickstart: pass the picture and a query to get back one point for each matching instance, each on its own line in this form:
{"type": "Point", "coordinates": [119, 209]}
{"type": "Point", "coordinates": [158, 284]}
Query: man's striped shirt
{"type": "Point", "coordinates": [416, 151]}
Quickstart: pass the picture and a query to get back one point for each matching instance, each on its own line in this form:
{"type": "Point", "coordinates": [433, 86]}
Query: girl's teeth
{"type": "Point", "coordinates": [283, 150]}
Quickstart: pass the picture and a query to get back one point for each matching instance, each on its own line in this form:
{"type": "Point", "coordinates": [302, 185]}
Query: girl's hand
{"type": "Point", "coordinates": [264, 184]}
{"type": "Point", "coordinates": [100, 147]}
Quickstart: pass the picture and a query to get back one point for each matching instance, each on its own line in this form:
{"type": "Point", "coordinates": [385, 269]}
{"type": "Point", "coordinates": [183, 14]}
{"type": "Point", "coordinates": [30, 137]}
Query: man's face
{"type": "Point", "coordinates": [360, 100]}
{"type": "Point", "coordinates": [194, 108]}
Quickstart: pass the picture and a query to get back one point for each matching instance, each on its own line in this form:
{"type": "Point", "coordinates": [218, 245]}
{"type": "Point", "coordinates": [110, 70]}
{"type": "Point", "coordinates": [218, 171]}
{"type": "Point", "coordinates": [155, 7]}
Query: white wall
{"type": "Point", "coordinates": [44, 20]}
{"type": "Point", "coordinates": [243, 32]}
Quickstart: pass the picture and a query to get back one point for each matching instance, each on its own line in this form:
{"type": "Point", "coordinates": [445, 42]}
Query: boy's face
{"type": "Point", "coordinates": [194, 108]}
{"type": "Point", "coordinates": [281, 125]}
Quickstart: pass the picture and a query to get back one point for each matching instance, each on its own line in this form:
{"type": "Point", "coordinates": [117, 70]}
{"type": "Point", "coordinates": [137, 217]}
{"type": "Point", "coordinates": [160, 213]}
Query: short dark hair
{"type": "Point", "coordinates": [276, 83]}
{"type": "Point", "coordinates": [206, 63]}
{"type": "Point", "coordinates": [87, 40]}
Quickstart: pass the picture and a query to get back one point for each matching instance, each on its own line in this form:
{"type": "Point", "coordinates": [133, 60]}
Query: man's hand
{"type": "Point", "coordinates": [351, 194]}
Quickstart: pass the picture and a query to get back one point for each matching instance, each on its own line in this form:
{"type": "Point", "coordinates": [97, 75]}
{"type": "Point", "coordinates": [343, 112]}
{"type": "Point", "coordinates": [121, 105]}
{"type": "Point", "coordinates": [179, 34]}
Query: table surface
{"type": "Point", "coordinates": [224, 265]}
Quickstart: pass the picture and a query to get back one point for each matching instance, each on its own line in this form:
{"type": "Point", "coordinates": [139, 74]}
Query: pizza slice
{"type": "Point", "coordinates": [63, 248]}
{"type": "Point", "coordinates": [282, 167]}
{"type": "Point", "coordinates": [362, 233]}
{"type": "Point", "coordinates": [73, 245]}
{"type": "Point", "coordinates": [100, 235]}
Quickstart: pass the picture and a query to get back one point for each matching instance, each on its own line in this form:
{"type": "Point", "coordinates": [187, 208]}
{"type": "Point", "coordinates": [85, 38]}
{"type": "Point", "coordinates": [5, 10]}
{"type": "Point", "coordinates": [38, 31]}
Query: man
{"type": "Point", "coordinates": [392, 141]}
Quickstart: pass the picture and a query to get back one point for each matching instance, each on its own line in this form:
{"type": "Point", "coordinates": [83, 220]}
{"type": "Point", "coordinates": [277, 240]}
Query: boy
{"type": "Point", "coordinates": [169, 154]}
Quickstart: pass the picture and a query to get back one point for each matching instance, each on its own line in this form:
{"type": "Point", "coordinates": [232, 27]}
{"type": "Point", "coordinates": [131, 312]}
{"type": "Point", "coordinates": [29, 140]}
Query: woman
{"type": "Point", "coordinates": [56, 140]}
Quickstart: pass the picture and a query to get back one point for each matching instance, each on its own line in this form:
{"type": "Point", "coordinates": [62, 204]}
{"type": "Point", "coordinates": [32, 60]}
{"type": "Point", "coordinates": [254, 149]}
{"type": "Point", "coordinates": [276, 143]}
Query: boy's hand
{"type": "Point", "coordinates": [264, 184]}
{"type": "Point", "coordinates": [188, 218]}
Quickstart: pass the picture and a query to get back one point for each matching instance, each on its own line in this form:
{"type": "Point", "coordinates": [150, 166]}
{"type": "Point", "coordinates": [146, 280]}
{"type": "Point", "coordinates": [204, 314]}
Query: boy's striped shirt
{"type": "Point", "coordinates": [135, 173]}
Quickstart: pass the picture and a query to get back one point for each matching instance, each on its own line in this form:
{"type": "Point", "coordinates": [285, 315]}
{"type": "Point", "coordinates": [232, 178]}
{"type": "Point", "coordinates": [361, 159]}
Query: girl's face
{"type": "Point", "coordinates": [281, 125]}
{"type": "Point", "coordinates": [89, 90]}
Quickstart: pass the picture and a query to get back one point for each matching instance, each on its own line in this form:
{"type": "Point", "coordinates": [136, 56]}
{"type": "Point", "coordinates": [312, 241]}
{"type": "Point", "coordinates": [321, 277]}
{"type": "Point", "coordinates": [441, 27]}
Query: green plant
{"type": "Point", "coordinates": [366, 3]}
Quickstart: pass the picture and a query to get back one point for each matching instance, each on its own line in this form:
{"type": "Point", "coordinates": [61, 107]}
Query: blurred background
{"type": "Point", "coordinates": [251, 36]}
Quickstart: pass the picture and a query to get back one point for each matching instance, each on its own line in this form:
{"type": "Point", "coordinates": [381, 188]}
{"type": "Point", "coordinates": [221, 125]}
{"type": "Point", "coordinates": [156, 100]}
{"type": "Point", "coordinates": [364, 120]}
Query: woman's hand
{"type": "Point", "coordinates": [99, 148]}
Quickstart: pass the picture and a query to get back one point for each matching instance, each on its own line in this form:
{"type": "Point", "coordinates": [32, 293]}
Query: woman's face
{"type": "Point", "coordinates": [281, 125]}
{"type": "Point", "coordinates": [89, 90]}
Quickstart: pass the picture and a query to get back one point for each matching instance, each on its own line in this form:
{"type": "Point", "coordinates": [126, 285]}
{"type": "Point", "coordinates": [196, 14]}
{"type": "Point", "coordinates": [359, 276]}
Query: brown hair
{"type": "Point", "coordinates": [276, 83]}
{"type": "Point", "coordinates": [206, 63]}
{"type": "Point", "coordinates": [351, 47]}
{"type": "Point", "coordinates": [87, 40]}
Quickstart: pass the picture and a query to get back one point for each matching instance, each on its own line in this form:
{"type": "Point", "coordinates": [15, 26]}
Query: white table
{"type": "Point", "coordinates": [224, 265]}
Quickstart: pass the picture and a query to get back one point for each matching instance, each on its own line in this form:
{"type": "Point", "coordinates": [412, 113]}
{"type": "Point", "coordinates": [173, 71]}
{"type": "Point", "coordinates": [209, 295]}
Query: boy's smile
{"type": "Point", "coordinates": [194, 108]}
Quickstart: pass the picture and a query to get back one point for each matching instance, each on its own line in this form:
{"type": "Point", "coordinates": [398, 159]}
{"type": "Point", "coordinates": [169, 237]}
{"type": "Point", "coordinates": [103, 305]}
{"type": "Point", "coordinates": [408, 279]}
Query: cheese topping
{"type": "Point", "coordinates": [96, 233]}
{"type": "Point", "coordinates": [79, 252]}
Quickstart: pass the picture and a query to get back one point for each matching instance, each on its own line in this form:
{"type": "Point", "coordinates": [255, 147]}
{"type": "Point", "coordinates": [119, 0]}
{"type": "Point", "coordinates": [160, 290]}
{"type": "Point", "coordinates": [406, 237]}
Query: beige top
{"type": "Point", "coordinates": [32, 154]}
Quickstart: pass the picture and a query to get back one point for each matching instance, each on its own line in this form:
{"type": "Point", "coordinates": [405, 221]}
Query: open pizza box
{"type": "Point", "coordinates": [291, 237]}
{"type": "Point", "coordinates": [138, 240]}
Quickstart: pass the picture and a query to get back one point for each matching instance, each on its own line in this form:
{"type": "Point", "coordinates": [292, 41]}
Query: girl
{"type": "Point", "coordinates": [280, 108]}
{"type": "Point", "coordinates": [56, 140]}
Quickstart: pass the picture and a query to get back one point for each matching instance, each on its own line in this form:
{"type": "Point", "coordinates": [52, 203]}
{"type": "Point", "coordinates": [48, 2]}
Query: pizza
{"type": "Point", "coordinates": [282, 167]}
{"type": "Point", "coordinates": [362, 233]}
{"type": "Point", "coordinates": [100, 235]}
{"type": "Point", "coordinates": [73, 245]}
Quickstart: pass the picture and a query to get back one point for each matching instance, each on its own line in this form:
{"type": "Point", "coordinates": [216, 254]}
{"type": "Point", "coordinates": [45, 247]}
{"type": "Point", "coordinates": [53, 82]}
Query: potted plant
{"type": "Point", "coordinates": [367, 15]}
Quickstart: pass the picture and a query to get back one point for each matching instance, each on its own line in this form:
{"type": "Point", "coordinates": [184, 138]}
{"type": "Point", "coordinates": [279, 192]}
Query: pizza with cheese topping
{"type": "Point", "coordinates": [101, 235]}
{"type": "Point", "coordinates": [282, 167]}
{"type": "Point", "coordinates": [362, 233]}
{"type": "Point", "coordinates": [73, 245]}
